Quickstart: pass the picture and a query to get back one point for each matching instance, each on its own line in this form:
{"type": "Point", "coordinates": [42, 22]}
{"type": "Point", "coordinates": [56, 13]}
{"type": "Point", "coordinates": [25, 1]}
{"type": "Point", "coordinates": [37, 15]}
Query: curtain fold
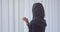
{"type": "Point", "coordinates": [12, 12]}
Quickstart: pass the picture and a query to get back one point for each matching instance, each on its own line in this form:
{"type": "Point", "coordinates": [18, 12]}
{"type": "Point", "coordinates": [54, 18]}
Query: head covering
{"type": "Point", "coordinates": [38, 10]}
{"type": "Point", "coordinates": [38, 14]}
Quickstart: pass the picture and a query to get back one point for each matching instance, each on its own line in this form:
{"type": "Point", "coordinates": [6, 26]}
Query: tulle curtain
{"type": "Point", "coordinates": [12, 12]}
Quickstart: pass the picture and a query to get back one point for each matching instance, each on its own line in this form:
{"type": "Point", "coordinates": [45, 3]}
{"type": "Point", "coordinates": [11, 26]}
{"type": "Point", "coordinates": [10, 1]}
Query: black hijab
{"type": "Point", "coordinates": [38, 14]}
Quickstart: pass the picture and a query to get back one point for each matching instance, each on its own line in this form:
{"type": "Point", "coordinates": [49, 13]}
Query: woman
{"type": "Point", "coordinates": [38, 23]}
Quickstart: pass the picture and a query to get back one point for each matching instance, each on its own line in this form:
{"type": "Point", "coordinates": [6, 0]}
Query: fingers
{"type": "Point", "coordinates": [25, 19]}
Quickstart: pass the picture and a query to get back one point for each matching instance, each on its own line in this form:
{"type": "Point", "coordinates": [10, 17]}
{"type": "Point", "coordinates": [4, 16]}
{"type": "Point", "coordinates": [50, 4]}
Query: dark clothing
{"type": "Point", "coordinates": [38, 23]}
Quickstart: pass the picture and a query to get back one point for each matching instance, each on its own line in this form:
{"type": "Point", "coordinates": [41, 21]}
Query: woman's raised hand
{"type": "Point", "coordinates": [25, 19]}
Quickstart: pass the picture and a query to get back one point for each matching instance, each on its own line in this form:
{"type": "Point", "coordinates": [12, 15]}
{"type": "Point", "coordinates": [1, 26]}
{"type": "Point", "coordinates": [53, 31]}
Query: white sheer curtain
{"type": "Point", "coordinates": [12, 12]}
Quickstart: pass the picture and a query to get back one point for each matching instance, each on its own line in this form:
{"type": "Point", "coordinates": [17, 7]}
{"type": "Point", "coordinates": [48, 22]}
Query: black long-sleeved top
{"type": "Point", "coordinates": [38, 22]}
